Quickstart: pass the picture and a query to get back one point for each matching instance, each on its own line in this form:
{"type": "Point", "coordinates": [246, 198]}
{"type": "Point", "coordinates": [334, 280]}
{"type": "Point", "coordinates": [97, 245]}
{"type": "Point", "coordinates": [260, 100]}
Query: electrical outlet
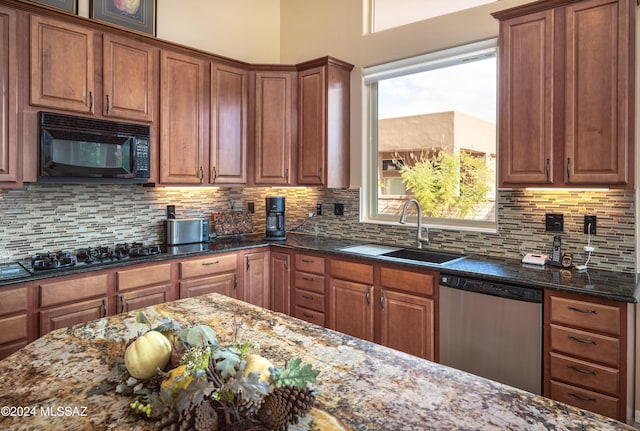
{"type": "Point", "coordinates": [554, 222]}
{"type": "Point", "coordinates": [590, 224]}
{"type": "Point", "coordinates": [171, 211]}
{"type": "Point", "coordinates": [251, 207]}
{"type": "Point", "coordinates": [338, 209]}
{"type": "Point", "coordinates": [319, 209]}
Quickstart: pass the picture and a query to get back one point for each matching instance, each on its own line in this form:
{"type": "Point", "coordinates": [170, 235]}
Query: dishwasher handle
{"type": "Point", "coordinates": [517, 293]}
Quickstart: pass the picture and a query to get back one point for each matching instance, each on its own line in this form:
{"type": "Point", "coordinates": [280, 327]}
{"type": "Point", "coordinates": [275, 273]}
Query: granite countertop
{"type": "Point", "coordinates": [617, 286]}
{"type": "Point", "coordinates": [362, 386]}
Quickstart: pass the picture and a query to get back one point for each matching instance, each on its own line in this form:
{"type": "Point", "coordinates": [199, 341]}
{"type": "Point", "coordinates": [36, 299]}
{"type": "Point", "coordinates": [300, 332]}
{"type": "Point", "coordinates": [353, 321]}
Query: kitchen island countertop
{"type": "Point", "coordinates": [362, 386]}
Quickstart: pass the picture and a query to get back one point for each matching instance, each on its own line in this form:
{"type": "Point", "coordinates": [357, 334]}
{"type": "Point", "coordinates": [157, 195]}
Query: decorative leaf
{"type": "Point", "coordinates": [293, 375]}
{"type": "Point", "coordinates": [199, 335]}
{"type": "Point", "coordinates": [227, 361]}
{"type": "Point", "coordinates": [250, 387]}
{"type": "Point", "coordinates": [142, 318]}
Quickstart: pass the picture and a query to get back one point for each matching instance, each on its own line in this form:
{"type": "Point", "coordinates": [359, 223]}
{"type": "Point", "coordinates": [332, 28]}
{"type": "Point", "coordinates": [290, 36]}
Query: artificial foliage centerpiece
{"type": "Point", "coordinates": [182, 378]}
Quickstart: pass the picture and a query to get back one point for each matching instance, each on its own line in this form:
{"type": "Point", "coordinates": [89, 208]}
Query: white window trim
{"type": "Point", "coordinates": [373, 74]}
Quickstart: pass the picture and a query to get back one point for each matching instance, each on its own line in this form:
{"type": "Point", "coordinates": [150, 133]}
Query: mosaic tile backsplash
{"type": "Point", "coordinates": [42, 217]}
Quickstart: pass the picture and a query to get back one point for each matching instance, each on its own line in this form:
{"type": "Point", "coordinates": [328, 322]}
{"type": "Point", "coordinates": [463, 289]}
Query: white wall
{"type": "Point", "coordinates": [247, 30]}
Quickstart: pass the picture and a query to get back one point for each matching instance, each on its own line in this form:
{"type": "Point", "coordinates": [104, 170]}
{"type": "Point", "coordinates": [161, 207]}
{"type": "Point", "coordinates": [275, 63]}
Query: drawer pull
{"type": "Point", "coordinates": [215, 262]}
{"type": "Point", "coordinates": [308, 261]}
{"type": "Point", "coordinates": [308, 297]}
{"type": "Point", "coordinates": [307, 315]}
{"type": "Point", "coordinates": [582, 340]}
{"type": "Point", "coordinates": [580, 370]}
{"type": "Point", "coordinates": [581, 398]}
{"type": "Point", "coordinates": [368, 296]}
{"type": "Point", "coordinates": [582, 310]}
{"type": "Point", "coordinates": [308, 278]}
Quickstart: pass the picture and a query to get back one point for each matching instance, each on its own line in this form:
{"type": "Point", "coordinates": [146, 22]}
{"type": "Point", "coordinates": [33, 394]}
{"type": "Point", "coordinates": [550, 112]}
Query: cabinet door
{"type": "Point", "coordinates": [72, 314]}
{"type": "Point", "coordinates": [9, 155]}
{"type": "Point", "coordinates": [62, 65]}
{"type": "Point", "coordinates": [229, 98]}
{"type": "Point", "coordinates": [129, 71]}
{"type": "Point", "coordinates": [182, 115]}
{"type": "Point", "coordinates": [274, 128]}
{"type": "Point", "coordinates": [256, 279]}
{"type": "Point", "coordinates": [14, 322]}
{"type": "Point", "coordinates": [311, 126]}
{"type": "Point", "coordinates": [224, 284]}
{"type": "Point", "coordinates": [142, 298]}
{"type": "Point", "coordinates": [407, 323]}
{"type": "Point", "coordinates": [599, 134]}
{"type": "Point", "coordinates": [350, 308]}
{"type": "Point", "coordinates": [280, 275]}
{"type": "Point", "coordinates": [526, 99]}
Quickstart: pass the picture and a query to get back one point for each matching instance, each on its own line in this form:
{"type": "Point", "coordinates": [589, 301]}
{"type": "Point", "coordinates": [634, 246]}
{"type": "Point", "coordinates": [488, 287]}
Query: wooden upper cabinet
{"type": "Point", "coordinates": [62, 65]}
{"type": "Point", "coordinates": [182, 118]}
{"type": "Point", "coordinates": [229, 101]}
{"type": "Point", "coordinates": [323, 122]}
{"type": "Point", "coordinates": [130, 75]}
{"type": "Point", "coordinates": [526, 103]}
{"type": "Point", "coordinates": [599, 102]}
{"type": "Point", "coordinates": [567, 94]}
{"type": "Point", "coordinates": [274, 127]}
{"type": "Point", "coordinates": [10, 154]}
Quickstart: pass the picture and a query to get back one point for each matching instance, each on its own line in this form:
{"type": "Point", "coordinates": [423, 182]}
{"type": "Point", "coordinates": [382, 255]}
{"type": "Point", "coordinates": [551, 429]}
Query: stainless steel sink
{"type": "Point", "coordinates": [430, 256]}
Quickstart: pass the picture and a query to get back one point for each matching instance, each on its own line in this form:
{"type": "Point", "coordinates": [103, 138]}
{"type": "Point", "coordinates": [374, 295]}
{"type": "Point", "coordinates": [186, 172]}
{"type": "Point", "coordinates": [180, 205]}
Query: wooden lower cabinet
{"type": "Point", "coordinates": [351, 309]}
{"type": "Point", "coordinates": [585, 353]}
{"type": "Point", "coordinates": [256, 278]}
{"type": "Point", "coordinates": [14, 319]}
{"type": "Point", "coordinates": [67, 301]}
{"type": "Point", "coordinates": [280, 282]}
{"type": "Point", "coordinates": [212, 274]}
{"type": "Point", "coordinates": [143, 286]}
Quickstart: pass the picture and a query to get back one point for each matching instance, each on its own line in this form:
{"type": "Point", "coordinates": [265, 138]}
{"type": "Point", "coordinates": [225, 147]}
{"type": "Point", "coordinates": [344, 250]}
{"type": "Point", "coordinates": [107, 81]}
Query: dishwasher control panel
{"type": "Point", "coordinates": [518, 293]}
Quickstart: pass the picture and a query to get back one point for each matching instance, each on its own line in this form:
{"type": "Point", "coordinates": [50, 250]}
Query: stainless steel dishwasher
{"type": "Point", "coordinates": [492, 330]}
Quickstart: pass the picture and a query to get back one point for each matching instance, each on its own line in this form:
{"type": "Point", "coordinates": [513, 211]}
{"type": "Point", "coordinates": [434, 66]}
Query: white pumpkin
{"type": "Point", "coordinates": [260, 365]}
{"type": "Point", "coordinates": [146, 354]}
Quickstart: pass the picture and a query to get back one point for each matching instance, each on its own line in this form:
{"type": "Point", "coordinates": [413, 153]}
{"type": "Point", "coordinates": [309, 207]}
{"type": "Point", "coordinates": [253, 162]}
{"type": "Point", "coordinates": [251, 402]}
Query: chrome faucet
{"type": "Point", "coordinates": [420, 240]}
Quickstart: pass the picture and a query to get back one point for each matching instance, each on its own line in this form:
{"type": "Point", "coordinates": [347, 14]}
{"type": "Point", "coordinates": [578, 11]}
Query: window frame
{"type": "Point", "coordinates": [421, 63]}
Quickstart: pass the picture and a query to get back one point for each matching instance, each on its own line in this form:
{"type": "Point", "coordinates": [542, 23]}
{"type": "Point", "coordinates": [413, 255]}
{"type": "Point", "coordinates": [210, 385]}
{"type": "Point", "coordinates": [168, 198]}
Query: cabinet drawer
{"type": "Point", "coordinates": [413, 282]}
{"type": "Point", "coordinates": [584, 399]}
{"type": "Point", "coordinates": [352, 271]}
{"type": "Point", "coordinates": [585, 374]}
{"type": "Point", "coordinates": [73, 290]}
{"type": "Point", "coordinates": [13, 301]}
{"type": "Point", "coordinates": [310, 300]}
{"type": "Point", "coordinates": [586, 345]}
{"type": "Point", "coordinates": [587, 315]}
{"type": "Point", "coordinates": [13, 329]}
{"type": "Point", "coordinates": [145, 276]}
{"type": "Point", "coordinates": [308, 263]}
{"type": "Point", "coordinates": [207, 266]}
{"type": "Point", "coordinates": [311, 282]}
{"type": "Point", "coordinates": [311, 316]}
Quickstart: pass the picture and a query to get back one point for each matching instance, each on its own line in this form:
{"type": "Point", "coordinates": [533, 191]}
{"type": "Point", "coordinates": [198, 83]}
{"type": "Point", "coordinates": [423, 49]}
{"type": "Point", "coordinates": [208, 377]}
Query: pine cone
{"type": "Point", "coordinates": [283, 406]}
{"type": "Point", "coordinates": [247, 408]}
{"type": "Point", "coordinates": [206, 417]}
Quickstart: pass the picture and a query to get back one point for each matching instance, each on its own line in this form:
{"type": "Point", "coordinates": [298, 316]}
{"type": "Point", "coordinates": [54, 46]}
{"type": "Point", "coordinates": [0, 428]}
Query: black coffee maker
{"type": "Point", "coordinates": [275, 218]}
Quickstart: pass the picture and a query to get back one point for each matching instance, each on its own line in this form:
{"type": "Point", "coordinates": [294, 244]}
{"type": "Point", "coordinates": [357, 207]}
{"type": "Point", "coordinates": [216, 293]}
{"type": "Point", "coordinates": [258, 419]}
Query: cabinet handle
{"type": "Point", "coordinates": [104, 308]}
{"type": "Point", "coordinates": [368, 296]}
{"type": "Point", "coordinates": [582, 340]}
{"type": "Point", "coordinates": [581, 398]}
{"type": "Point", "coordinates": [582, 310]}
{"type": "Point", "coordinates": [382, 300]}
{"type": "Point", "coordinates": [307, 261]}
{"type": "Point", "coordinates": [235, 281]}
{"type": "Point", "coordinates": [580, 370]}
{"type": "Point", "coordinates": [568, 169]}
{"type": "Point", "coordinates": [215, 262]}
{"type": "Point", "coordinates": [286, 263]}
{"type": "Point", "coordinates": [307, 315]}
{"type": "Point", "coordinates": [248, 264]}
{"type": "Point", "coordinates": [308, 297]}
{"type": "Point", "coordinates": [91, 101]}
{"type": "Point", "coordinates": [320, 174]}
{"type": "Point", "coordinates": [214, 173]}
{"type": "Point", "coordinates": [108, 104]}
{"type": "Point", "coordinates": [547, 169]}
{"type": "Point", "coordinates": [121, 304]}
{"type": "Point", "coordinates": [201, 174]}
{"type": "Point", "coordinates": [308, 278]}
{"type": "Point", "coordinates": [286, 174]}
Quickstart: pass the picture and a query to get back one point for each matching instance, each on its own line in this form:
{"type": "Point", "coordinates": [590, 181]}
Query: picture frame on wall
{"type": "Point", "coordinates": [137, 15]}
{"type": "Point", "coordinates": [66, 5]}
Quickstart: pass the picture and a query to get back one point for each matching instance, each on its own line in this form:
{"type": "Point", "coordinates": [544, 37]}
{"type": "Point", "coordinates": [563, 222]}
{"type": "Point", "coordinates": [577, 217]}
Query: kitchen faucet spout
{"type": "Point", "coordinates": [420, 240]}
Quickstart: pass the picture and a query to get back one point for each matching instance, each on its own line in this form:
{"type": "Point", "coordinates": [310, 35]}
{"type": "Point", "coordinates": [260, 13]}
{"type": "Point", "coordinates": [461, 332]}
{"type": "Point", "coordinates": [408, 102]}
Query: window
{"type": "Point", "coordinates": [433, 137]}
{"type": "Point", "coordinates": [394, 13]}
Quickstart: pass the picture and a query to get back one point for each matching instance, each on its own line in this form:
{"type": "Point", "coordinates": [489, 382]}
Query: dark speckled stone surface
{"type": "Point", "coordinates": [362, 386]}
{"type": "Point", "coordinates": [605, 284]}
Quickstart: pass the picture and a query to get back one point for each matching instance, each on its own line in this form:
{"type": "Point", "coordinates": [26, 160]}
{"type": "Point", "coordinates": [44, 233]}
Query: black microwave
{"type": "Point", "coordinates": [78, 150]}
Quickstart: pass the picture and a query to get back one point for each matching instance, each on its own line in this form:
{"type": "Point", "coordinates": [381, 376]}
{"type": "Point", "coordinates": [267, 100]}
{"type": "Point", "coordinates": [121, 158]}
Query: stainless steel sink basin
{"type": "Point", "coordinates": [430, 256]}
